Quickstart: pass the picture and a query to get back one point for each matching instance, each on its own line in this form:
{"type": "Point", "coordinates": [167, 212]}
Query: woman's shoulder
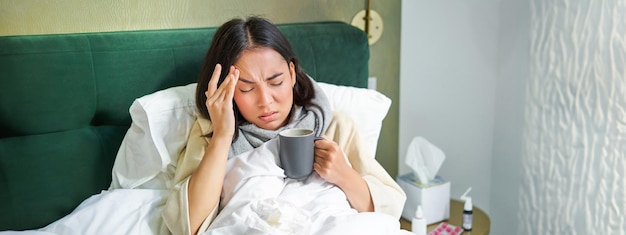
{"type": "Point", "coordinates": [341, 122]}
{"type": "Point", "coordinates": [205, 125]}
{"type": "Point", "coordinates": [341, 117]}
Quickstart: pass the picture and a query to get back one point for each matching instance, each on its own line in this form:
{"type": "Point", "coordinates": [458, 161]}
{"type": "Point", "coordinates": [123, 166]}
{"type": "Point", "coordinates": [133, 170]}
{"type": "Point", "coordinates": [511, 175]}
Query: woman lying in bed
{"type": "Point", "coordinates": [250, 88]}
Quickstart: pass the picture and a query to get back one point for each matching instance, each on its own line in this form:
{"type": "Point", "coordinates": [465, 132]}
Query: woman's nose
{"type": "Point", "coordinates": [265, 97]}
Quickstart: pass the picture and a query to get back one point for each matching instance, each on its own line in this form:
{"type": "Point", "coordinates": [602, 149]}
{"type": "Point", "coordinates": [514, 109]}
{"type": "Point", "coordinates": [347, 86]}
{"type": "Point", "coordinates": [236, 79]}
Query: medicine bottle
{"type": "Point", "coordinates": [468, 211]}
{"type": "Point", "coordinates": [418, 224]}
{"type": "Point", "coordinates": [468, 214]}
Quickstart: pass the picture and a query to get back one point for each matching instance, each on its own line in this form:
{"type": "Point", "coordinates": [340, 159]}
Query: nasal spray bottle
{"type": "Point", "coordinates": [468, 211]}
{"type": "Point", "coordinates": [418, 224]}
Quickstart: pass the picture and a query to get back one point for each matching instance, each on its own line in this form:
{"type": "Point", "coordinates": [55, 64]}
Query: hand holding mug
{"type": "Point", "coordinates": [330, 162]}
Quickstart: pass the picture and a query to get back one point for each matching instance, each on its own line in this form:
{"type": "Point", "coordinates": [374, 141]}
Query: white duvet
{"type": "Point", "coordinates": [257, 199]}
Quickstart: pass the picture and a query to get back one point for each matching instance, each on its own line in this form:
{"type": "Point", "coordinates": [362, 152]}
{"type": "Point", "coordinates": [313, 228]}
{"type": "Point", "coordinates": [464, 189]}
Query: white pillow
{"type": "Point", "coordinates": [366, 107]}
{"type": "Point", "coordinates": [149, 152]}
{"type": "Point", "coordinates": [162, 120]}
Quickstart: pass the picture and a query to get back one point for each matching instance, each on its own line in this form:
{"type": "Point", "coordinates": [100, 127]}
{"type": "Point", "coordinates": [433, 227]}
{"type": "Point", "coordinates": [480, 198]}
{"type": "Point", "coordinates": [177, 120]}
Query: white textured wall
{"type": "Point", "coordinates": [574, 161]}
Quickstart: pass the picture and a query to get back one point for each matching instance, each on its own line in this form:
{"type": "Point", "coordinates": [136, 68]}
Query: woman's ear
{"type": "Point", "coordinates": [292, 73]}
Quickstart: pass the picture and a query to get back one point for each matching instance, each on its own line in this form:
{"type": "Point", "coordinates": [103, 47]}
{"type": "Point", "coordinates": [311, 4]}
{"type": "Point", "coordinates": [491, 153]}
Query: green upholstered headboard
{"type": "Point", "coordinates": [64, 103]}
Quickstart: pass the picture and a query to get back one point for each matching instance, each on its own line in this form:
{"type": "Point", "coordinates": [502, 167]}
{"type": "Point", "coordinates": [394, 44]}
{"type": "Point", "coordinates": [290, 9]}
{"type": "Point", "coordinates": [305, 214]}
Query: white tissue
{"type": "Point", "coordinates": [424, 159]}
{"type": "Point", "coordinates": [277, 217]}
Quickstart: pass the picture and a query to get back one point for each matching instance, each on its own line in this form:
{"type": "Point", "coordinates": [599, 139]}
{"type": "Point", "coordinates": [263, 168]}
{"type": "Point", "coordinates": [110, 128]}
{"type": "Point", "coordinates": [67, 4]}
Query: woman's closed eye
{"type": "Point", "coordinates": [277, 83]}
{"type": "Point", "coordinates": [245, 90]}
{"type": "Point", "coordinates": [249, 89]}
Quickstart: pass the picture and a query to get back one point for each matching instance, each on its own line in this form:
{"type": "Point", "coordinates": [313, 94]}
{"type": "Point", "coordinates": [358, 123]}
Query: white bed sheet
{"type": "Point", "coordinates": [119, 211]}
{"type": "Point", "coordinates": [257, 199]}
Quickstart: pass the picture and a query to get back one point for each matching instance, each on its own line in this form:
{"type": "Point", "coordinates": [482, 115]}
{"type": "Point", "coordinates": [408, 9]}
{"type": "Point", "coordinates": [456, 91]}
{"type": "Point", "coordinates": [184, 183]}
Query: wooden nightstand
{"type": "Point", "coordinates": [480, 226]}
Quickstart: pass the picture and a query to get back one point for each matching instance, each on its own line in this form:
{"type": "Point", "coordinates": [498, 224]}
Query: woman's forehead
{"type": "Point", "coordinates": [260, 62]}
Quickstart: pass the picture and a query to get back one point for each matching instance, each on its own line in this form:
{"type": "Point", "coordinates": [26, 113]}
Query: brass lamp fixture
{"type": "Point", "coordinates": [369, 21]}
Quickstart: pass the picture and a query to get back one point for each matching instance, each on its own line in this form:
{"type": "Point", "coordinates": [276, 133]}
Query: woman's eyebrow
{"type": "Point", "coordinates": [273, 76]}
{"type": "Point", "coordinates": [245, 80]}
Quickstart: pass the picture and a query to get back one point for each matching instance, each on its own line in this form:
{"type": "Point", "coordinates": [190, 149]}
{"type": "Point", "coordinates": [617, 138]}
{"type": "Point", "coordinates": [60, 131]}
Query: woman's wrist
{"type": "Point", "coordinates": [222, 137]}
{"type": "Point", "coordinates": [349, 179]}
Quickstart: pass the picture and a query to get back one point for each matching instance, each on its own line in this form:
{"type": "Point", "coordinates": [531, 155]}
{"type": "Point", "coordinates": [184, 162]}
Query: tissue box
{"type": "Point", "coordinates": [434, 198]}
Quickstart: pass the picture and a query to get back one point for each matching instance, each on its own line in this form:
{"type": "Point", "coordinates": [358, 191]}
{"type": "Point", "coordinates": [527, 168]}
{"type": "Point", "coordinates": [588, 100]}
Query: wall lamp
{"type": "Point", "coordinates": [369, 21]}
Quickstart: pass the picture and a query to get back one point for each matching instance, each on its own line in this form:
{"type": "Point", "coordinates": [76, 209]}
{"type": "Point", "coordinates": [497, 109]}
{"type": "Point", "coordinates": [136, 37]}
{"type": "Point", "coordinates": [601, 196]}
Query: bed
{"type": "Point", "coordinates": [90, 122]}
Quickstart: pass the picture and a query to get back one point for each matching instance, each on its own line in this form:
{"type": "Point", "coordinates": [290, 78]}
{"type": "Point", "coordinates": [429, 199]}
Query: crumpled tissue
{"type": "Point", "coordinates": [277, 217]}
{"type": "Point", "coordinates": [424, 159]}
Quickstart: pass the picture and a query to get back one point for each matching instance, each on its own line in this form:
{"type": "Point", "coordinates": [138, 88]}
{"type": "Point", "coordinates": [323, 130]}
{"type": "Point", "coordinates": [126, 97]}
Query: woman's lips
{"type": "Point", "coordinates": [268, 117]}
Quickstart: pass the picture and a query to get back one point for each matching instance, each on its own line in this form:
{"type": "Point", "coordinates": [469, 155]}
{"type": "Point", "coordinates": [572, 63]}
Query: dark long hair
{"type": "Point", "coordinates": [236, 36]}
